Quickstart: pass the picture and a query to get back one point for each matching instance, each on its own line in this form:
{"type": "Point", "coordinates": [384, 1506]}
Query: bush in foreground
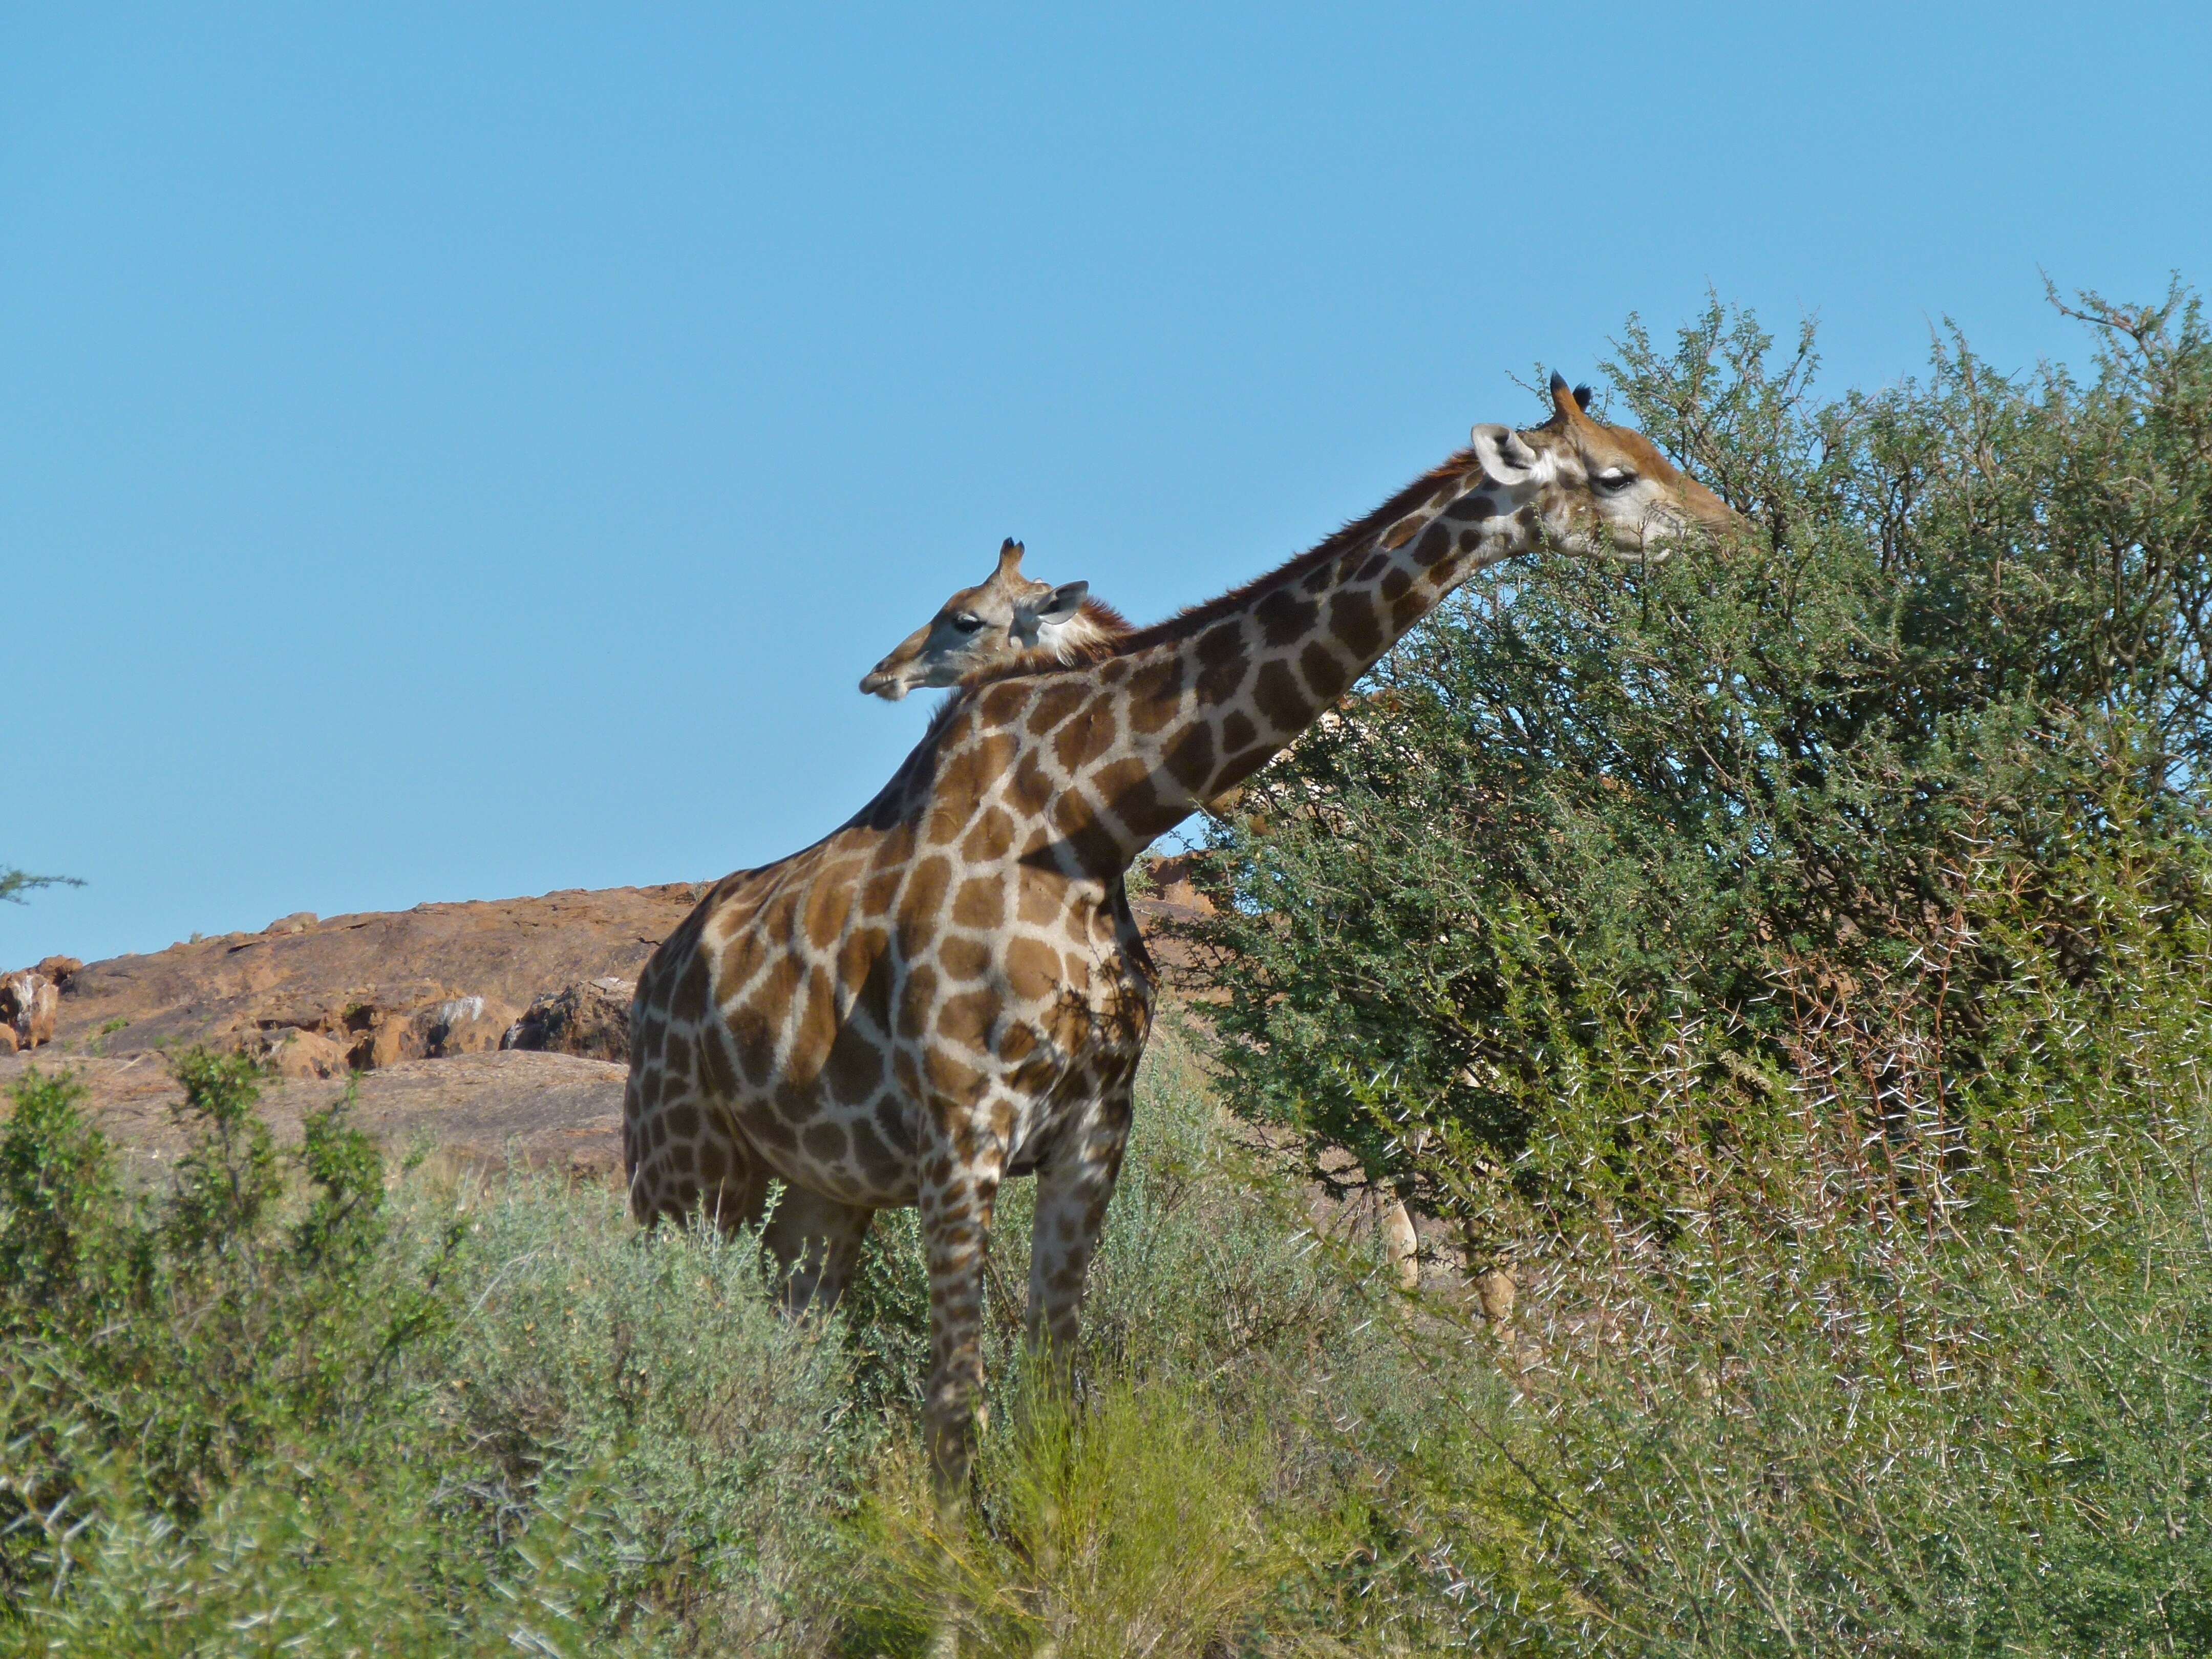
{"type": "Point", "coordinates": [287, 1406]}
{"type": "Point", "coordinates": [1853, 1429]}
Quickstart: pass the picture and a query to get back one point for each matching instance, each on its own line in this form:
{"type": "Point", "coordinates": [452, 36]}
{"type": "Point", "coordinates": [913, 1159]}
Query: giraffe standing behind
{"type": "Point", "coordinates": [1004, 615]}
{"type": "Point", "coordinates": [949, 990]}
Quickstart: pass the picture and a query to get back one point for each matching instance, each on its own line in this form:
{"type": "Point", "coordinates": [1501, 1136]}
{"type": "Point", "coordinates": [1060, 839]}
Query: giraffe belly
{"type": "Point", "coordinates": [861, 1068]}
{"type": "Point", "coordinates": [858, 1154]}
{"type": "Point", "coordinates": [1046, 1067]}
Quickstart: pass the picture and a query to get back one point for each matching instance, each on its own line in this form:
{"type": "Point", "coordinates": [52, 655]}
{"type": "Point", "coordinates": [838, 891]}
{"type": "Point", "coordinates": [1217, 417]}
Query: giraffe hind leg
{"type": "Point", "coordinates": [1074, 1187]}
{"type": "Point", "coordinates": [956, 1227]}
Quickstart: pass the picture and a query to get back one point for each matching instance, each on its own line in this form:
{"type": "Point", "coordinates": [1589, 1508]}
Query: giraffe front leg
{"type": "Point", "coordinates": [956, 1221]}
{"type": "Point", "coordinates": [1074, 1187]}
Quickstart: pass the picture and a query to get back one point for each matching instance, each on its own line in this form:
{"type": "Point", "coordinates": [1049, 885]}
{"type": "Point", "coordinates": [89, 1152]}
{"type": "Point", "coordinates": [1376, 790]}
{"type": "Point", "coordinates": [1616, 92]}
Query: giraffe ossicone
{"type": "Point", "coordinates": [949, 990]}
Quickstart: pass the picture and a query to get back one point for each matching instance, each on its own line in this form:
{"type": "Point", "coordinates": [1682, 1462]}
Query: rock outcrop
{"type": "Point", "coordinates": [590, 1020]}
{"type": "Point", "coordinates": [432, 983]}
{"type": "Point", "coordinates": [30, 1009]}
{"type": "Point", "coordinates": [485, 1028]}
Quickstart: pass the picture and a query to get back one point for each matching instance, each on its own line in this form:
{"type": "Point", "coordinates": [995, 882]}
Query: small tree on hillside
{"type": "Point", "coordinates": [15, 883]}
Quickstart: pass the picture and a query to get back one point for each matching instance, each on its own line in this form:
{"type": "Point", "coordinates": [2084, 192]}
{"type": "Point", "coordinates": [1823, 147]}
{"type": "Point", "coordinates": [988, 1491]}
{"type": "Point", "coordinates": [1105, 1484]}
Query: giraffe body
{"type": "Point", "coordinates": [949, 990]}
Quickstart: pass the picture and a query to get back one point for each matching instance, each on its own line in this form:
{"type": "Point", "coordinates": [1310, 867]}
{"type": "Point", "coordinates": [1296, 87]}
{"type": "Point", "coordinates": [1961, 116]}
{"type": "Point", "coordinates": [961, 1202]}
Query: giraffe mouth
{"type": "Point", "coordinates": [879, 683]}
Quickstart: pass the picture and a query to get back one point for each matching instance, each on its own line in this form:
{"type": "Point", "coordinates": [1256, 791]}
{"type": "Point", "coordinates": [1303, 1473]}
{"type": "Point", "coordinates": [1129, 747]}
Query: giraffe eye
{"type": "Point", "coordinates": [967, 624]}
{"type": "Point", "coordinates": [1615, 477]}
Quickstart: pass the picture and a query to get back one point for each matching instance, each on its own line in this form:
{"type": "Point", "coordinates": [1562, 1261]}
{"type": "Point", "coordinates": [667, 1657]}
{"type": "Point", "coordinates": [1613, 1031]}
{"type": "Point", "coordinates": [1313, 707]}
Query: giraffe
{"type": "Point", "coordinates": [1006, 613]}
{"type": "Point", "coordinates": [979, 627]}
{"type": "Point", "coordinates": [948, 991]}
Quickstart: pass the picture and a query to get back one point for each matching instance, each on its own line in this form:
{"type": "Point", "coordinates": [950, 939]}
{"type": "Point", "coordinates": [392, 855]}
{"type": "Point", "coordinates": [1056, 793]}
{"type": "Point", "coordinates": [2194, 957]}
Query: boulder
{"type": "Point", "coordinates": [30, 1004]}
{"type": "Point", "coordinates": [1176, 881]}
{"type": "Point", "coordinates": [402, 1024]}
{"type": "Point", "coordinates": [589, 1020]}
{"type": "Point", "coordinates": [293, 1054]}
{"type": "Point", "coordinates": [458, 1025]}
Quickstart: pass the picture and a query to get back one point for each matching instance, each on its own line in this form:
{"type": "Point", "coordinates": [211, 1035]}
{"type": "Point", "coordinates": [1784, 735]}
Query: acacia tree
{"type": "Point", "coordinates": [1601, 803]}
{"type": "Point", "coordinates": [15, 883]}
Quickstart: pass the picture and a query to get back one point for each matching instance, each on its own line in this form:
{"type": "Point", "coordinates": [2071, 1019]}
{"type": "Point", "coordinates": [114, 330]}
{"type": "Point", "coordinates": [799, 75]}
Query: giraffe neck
{"type": "Point", "coordinates": [1122, 750]}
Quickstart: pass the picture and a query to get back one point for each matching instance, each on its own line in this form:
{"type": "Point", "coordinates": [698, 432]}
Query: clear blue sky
{"type": "Point", "coordinates": [451, 452]}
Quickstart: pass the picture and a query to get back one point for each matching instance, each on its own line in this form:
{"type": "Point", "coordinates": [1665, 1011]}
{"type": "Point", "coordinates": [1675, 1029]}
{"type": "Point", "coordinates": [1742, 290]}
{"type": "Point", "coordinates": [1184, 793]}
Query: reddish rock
{"type": "Point", "coordinates": [1177, 881]}
{"type": "Point", "coordinates": [458, 1025]}
{"type": "Point", "coordinates": [30, 1007]}
{"type": "Point", "coordinates": [292, 1053]}
{"type": "Point", "coordinates": [380, 984]}
{"type": "Point", "coordinates": [591, 1020]}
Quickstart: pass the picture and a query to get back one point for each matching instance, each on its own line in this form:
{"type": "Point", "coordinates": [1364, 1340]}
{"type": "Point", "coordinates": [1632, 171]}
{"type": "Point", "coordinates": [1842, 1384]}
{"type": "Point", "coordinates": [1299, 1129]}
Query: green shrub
{"type": "Point", "coordinates": [1133, 1528]}
{"type": "Point", "coordinates": [650, 1381]}
{"type": "Point", "coordinates": [1790, 962]}
{"type": "Point", "coordinates": [273, 1400]}
{"type": "Point", "coordinates": [1828, 1413]}
{"type": "Point", "coordinates": [158, 1347]}
{"type": "Point", "coordinates": [282, 1407]}
{"type": "Point", "coordinates": [1598, 802]}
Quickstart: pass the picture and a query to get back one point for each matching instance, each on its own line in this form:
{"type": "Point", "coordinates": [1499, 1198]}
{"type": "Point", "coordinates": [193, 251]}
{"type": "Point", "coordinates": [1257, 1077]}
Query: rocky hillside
{"type": "Point", "coordinates": [482, 1031]}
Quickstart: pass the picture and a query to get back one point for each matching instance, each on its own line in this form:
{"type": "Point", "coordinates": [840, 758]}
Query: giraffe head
{"type": "Point", "coordinates": [1007, 616]}
{"type": "Point", "coordinates": [1593, 488]}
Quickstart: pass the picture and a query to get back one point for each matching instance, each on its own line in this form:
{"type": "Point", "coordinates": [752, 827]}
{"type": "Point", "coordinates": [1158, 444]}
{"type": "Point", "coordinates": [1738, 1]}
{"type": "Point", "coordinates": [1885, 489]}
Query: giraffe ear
{"type": "Point", "coordinates": [1010, 559]}
{"type": "Point", "coordinates": [1061, 603]}
{"type": "Point", "coordinates": [1504, 457]}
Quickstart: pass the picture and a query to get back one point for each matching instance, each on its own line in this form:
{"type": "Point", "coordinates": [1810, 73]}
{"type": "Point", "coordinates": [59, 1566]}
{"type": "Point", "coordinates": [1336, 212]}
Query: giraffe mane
{"type": "Point", "coordinates": [1196, 618]}
{"type": "Point", "coordinates": [1117, 639]}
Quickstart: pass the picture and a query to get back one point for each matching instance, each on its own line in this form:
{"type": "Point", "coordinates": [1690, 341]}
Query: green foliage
{"type": "Point", "coordinates": [1823, 1413]}
{"type": "Point", "coordinates": [1830, 1415]}
{"type": "Point", "coordinates": [282, 1407]}
{"type": "Point", "coordinates": [1791, 962]}
{"type": "Point", "coordinates": [1088, 1534]}
{"type": "Point", "coordinates": [160, 1347]}
{"type": "Point", "coordinates": [15, 883]}
{"type": "Point", "coordinates": [61, 1249]}
{"type": "Point", "coordinates": [650, 1383]}
{"type": "Point", "coordinates": [1598, 802]}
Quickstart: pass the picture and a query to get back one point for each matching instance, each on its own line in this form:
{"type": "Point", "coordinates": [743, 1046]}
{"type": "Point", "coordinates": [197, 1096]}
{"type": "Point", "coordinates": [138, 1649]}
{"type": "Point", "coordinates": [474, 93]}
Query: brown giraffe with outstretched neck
{"type": "Point", "coordinates": [949, 990]}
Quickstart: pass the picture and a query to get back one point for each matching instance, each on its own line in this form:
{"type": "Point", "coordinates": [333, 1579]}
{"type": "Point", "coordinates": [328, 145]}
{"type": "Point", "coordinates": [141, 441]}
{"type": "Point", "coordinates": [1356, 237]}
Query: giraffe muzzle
{"type": "Point", "coordinates": [881, 682]}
